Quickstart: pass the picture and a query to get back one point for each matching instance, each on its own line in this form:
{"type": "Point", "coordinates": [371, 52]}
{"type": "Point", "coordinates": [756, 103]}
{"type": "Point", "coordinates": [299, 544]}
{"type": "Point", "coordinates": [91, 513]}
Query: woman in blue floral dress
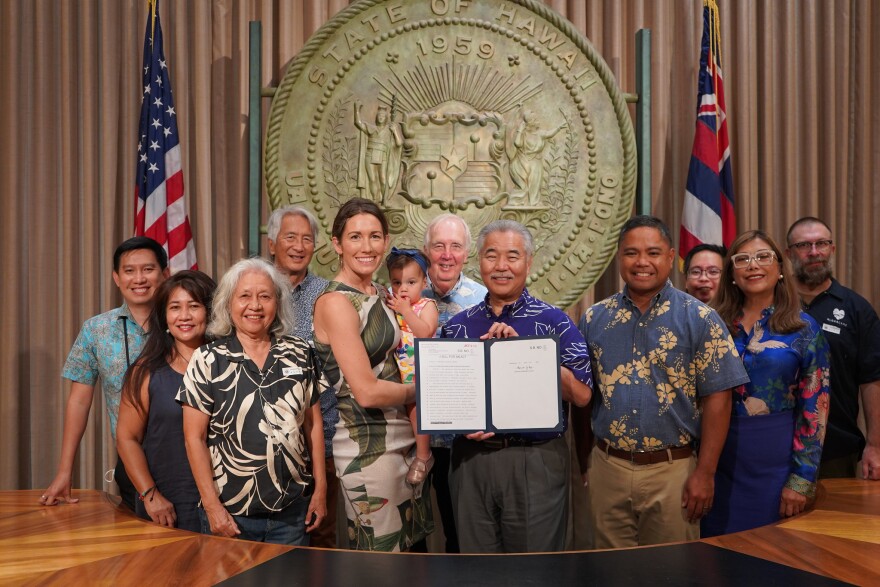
{"type": "Point", "coordinates": [770, 461]}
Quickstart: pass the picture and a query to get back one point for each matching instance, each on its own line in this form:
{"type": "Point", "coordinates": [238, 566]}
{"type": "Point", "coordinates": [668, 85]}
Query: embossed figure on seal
{"type": "Point", "coordinates": [527, 159]}
{"type": "Point", "coordinates": [379, 160]}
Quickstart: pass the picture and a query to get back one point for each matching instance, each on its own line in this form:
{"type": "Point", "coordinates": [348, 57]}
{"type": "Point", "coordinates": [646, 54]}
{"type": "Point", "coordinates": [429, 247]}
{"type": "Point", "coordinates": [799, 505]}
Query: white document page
{"type": "Point", "coordinates": [452, 385]}
{"type": "Point", "coordinates": [525, 384]}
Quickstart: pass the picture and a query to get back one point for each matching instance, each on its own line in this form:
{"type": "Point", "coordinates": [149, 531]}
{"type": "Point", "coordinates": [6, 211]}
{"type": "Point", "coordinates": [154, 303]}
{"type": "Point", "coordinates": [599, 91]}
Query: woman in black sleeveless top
{"type": "Point", "coordinates": [149, 436]}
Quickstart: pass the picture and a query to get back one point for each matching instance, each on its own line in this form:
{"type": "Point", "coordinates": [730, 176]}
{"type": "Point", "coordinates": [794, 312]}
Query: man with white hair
{"type": "Point", "coordinates": [292, 232]}
{"type": "Point", "coordinates": [447, 245]}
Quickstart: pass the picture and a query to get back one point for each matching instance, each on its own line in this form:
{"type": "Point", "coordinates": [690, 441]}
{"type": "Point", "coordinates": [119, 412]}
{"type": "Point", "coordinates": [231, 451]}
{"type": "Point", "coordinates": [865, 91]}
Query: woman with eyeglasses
{"type": "Point", "coordinates": [770, 460]}
{"type": "Point", "coordinates": [702, 269]}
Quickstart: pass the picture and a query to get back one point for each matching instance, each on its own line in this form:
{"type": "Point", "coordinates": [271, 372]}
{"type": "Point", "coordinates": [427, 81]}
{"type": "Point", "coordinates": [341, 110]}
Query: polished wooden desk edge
{"type": "Point", "coordinates": [124, 544]}
{"type": "Point", "coordinates": [97, 540]}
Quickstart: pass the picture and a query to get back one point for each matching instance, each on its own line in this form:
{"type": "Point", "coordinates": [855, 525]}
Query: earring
{"type": "Point", "coordinates": [781, 276]}
{"type": "Point", "coordinates": [167, 331]}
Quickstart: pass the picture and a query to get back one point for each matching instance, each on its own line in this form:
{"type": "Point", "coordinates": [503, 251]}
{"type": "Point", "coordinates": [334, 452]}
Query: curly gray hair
{"type": "Point", "coordinates": [221, 320]}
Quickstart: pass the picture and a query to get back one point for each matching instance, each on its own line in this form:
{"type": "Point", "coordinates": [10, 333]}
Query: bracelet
{"type": "Point", "coordinates": [143, 496]}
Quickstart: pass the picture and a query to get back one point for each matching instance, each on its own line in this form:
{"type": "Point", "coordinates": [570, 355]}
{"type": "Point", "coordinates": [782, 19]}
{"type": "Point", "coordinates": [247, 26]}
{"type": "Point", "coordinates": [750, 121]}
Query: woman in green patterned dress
{"type": "Point", "coordinates": [355, 337]}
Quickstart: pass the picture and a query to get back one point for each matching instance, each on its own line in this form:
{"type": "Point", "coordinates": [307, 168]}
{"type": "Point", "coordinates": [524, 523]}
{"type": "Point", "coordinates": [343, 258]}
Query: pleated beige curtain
{"type": "Point", "coordinates": [802, 106]}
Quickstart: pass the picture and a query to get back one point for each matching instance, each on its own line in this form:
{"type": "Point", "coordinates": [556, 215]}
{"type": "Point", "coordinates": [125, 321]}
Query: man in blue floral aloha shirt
{"type": "Point", "coordinates": [664, 365]}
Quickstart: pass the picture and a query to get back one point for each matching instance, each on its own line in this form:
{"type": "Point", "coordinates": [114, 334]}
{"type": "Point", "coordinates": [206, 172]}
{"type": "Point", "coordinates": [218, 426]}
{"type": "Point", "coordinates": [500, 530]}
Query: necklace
{"type": "Point", "coordinates": [180, 359]}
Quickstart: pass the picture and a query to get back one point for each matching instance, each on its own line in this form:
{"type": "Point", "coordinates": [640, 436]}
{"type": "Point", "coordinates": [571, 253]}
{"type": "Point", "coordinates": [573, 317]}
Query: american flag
{"type": "Point", "coordinates": [160, 210]}
{"type": "Point", "coordinates": [708, 215]}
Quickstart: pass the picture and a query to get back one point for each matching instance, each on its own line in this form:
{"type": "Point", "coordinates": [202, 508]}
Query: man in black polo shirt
{"type": "Point", "coordinates": [853, 331]}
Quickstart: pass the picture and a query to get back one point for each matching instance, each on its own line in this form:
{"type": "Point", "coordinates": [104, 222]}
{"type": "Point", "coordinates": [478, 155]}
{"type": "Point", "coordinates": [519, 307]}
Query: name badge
{"type": "Point", "coordinates": [288, 371]}
{"type": "Point", "coordinates": [830, 328]}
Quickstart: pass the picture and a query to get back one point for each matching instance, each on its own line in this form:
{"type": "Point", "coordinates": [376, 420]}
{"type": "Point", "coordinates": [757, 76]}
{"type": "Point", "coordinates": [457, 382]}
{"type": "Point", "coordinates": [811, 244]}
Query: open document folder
{"type": "Point", "coordinates": [467, 385]}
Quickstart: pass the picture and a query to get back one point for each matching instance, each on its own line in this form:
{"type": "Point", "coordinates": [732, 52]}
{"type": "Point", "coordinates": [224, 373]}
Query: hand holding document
{"type": "Point", "coordinates": [497, 385]}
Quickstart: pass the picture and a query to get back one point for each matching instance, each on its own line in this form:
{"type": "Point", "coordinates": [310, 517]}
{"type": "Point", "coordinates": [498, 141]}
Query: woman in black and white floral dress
{"type": "Point", "coordinates": [252, 417]}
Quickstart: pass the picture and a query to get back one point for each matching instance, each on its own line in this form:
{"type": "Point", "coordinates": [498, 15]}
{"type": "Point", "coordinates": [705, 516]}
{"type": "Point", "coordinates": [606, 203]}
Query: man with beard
{"type": "Point", "coordinates": [853, 332]}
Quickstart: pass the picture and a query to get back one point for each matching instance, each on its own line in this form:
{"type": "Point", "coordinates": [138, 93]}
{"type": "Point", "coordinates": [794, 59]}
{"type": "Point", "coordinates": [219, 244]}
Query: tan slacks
{"type": "Point", "coordinates": [635, 505]}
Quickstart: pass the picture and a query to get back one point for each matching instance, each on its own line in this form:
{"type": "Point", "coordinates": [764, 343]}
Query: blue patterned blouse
{"type": "Point", "coordinates": [788, 372]}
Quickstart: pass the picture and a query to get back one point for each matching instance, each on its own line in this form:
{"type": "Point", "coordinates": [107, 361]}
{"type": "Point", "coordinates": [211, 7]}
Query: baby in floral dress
{"type": "Point", "coordinates": [418, 318]}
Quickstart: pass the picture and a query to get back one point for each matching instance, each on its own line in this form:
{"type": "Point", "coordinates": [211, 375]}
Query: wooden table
{"type": "Point", "coordinates": [839, 537]}
{"type": "Point", "coordinates": [97, 542]}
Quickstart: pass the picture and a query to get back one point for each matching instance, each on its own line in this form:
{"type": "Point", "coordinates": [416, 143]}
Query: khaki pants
{"type": "Point", "coordinates": [635, 505]}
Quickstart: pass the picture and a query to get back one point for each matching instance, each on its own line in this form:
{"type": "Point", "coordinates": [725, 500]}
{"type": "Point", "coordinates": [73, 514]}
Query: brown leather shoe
{"type": "Point", "coordinates": [418, 470]}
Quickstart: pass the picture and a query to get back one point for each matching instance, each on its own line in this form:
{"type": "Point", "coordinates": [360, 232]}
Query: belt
{"type": "Point", "coordinates": [648, 457]}
{"type": "Point", "coordinates": [501, 442]}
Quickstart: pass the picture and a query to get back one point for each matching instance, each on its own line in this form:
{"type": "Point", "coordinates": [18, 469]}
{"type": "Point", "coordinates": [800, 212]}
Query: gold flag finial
{"type": "Point", "coordinates": [152, 7]}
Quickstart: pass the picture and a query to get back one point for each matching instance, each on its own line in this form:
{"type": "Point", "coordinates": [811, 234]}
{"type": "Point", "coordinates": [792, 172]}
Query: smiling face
{"type": "Point", "coordinates": [407, 282]}
{"type": "Point", "coordinates": [504, 266]}
{"type": "Point", "coordinates": [253, 304]}
{"type": "Point", "coordinates": [186, 318]}
{"type": "Point", "coordinates": [138, 277]}
{"type": "Point", "coordinates": [754, 279]}
{"type": "Point", "coordinates": [645, 261]}
{"type": "Point", "coordinates": [700, 283]}
{"type": "Point", "coordinates": [361, 246]}
{"type": "Point", "coordinates": [447, 251]}
{"type": "Point", "coordinates": [294, 246]}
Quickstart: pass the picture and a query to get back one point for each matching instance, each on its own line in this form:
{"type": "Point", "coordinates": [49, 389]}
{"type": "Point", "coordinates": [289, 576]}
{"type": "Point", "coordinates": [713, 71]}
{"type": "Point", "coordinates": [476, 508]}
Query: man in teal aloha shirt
{"type": "Point", "coordinates": [107, 344]}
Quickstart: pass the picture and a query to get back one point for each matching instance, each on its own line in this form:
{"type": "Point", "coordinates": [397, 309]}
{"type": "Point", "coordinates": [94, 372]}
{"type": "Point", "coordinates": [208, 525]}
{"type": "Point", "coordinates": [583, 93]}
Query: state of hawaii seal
{"type": "Point", "coordinates": [488, 109]}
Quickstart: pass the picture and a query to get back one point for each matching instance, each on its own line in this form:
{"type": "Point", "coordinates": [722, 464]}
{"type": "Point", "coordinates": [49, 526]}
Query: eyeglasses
{"type": "Point", "coordinates": [762, 257]}
{"type": "Point", "coordinates": [696, 272]}
{"type": "Point", "coordinates": [804, 247]}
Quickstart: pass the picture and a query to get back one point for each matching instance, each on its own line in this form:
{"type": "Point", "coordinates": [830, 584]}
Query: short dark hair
{"type": "Point", "coordinates": [645, 221]}
{"type": "Point", "coordinates": [801, 222]}
{"type": "Point", "coordinates": [353, 207]}
{"type": "Point", "coordinates": [136, 243]}
{"type": "Point", "coordinates": [717, 249]}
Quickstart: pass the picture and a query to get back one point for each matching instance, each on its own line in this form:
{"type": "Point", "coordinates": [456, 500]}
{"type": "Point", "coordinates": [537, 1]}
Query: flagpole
{"type": "Point", "coordinates": [160, 204]}
{"type": "Point", "coordinates": [152, 7]}
{"type": "Point", "coordinates": [708, 214]}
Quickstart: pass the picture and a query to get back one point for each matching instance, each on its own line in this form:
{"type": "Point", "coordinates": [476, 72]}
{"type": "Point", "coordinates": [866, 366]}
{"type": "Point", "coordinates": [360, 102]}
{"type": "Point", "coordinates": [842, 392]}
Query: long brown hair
{"type": "Point", "coordinates": [729, 298]}
{"type": "Point", "coordinates": [159, 348]}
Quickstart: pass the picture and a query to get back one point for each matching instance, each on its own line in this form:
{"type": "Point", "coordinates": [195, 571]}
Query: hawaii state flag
{"type": "Point", "coordinates": [160, 210]}
{"type": "Point", "coordinates": [708, 215]}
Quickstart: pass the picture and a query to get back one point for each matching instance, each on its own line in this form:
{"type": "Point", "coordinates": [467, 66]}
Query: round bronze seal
{"type": "Point", "coordinates": [485, 108]}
